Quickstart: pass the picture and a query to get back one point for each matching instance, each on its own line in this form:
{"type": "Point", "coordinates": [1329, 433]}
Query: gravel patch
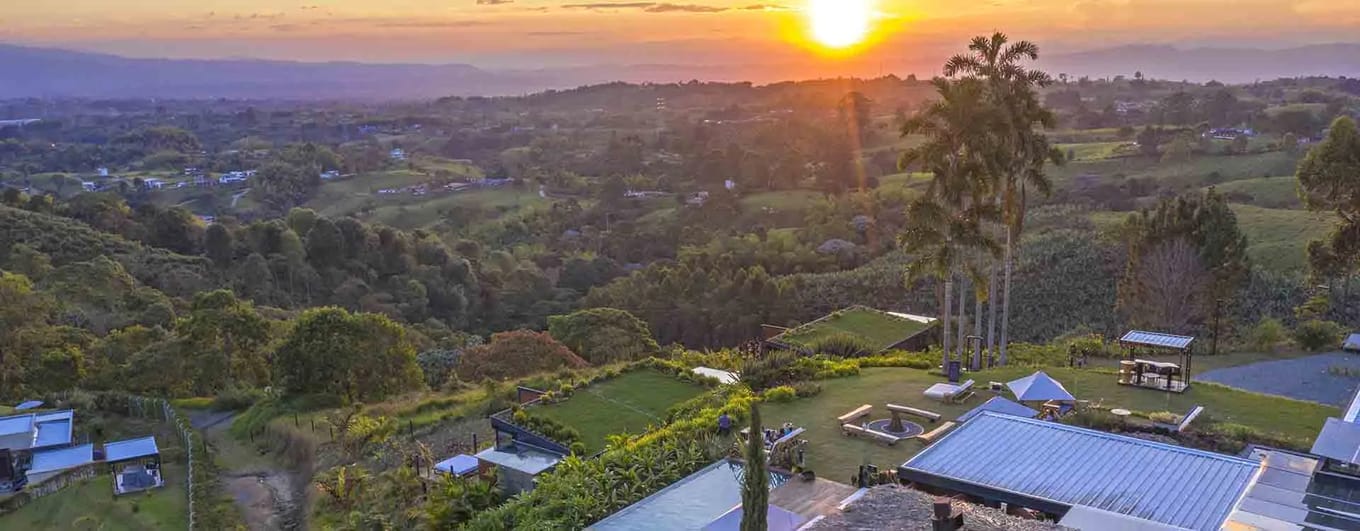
{"type": "Point", "coordinates": [1301, 378]}
{"type": "Point", "coordinates": [893, 508]}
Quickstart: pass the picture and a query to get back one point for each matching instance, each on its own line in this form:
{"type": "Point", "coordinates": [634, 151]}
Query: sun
{"type": "Point", "coordinates": [839, 23]}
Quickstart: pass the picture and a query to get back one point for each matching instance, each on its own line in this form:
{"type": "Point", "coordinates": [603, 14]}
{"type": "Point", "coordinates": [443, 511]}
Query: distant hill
{"type": "Point", "coordinates": [1229, 65]}
{"type": "Point", "coordinates": [48, 72]}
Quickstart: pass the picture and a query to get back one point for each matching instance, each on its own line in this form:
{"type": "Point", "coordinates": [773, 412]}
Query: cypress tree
{"type": "Point", "coordinates": [755, 488]}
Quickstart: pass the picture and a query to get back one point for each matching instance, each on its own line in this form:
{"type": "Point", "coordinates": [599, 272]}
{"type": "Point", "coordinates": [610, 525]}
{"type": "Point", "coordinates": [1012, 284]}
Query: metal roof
{"type": "Point", "coordinates": [62, 458]}
{"type": "Point", "coordinates": [16, 424]}
{"type": "Point", "coordinates": [28, 405]}
{"type": "Point", "coordinates": [1156, 339]}
{"type": "Point", "coordinates": [1353, 410]}
{"type": "Point", "coordinates": [999, 404]}
{"type": "Point", "coordinates": [130, 449]}
{"type": "Point", "coordinates": [1339, 440]}
{"type": "Point", "coordinates": [1064, 466]}
{"type": "Point", "coordinates": [458, 465]}
{"type": "Point", "coordinates": [53, 433]}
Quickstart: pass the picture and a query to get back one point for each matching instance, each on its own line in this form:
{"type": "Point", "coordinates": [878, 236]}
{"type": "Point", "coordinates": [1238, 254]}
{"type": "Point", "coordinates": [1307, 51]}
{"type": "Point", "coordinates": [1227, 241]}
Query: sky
{"type": "Point", "coordinates": [519, 34]}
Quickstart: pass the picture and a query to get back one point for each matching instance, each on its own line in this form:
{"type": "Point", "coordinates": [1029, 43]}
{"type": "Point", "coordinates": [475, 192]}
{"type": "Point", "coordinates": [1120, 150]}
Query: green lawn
{"type": "Point", "coordinates": [878, 328]}
{"type": "Point", "coordinates": [165, 508]}
{"type": "Point", "coordinates": [1181, 175]}
{"type": "Point", "coordinates": [836, 456]}
{"type": "Point", "coordinates": [626, 404]}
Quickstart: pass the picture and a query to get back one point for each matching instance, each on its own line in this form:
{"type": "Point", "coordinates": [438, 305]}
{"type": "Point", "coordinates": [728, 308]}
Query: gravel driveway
{"type": "Point", "coordinates": [1301, 378]}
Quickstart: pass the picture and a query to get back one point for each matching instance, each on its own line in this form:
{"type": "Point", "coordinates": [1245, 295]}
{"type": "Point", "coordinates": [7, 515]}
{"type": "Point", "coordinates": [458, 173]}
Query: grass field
{"type": "Point", "coordinates": [1278, 238]}
{"type": "Point", "coordinates": [836, 456]}
{"type": "Point", "coordinates": [1095, 150]}
{"type": "Point", "coordinates": [1189, 174]}
{"type": "Point", "coordinates": [782, 200]}
{"type": "Point", "coordinates": [626, 404]}
{"type": "Point", "coordinates": [1267, 192]}
{"type": "Point", "coordinates": [878, 328]}
{"type": "Point", "coordinates": [91, 505]}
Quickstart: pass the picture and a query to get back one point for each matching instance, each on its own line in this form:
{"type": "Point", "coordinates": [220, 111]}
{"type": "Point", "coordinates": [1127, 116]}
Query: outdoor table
{"type": "Point", "coordinates": [1123, 414]}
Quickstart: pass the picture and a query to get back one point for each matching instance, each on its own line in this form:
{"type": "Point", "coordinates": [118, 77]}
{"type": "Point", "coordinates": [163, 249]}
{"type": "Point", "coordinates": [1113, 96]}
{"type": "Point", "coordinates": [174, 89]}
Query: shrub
{"type": "Point", "coordinates": [513, 354]}
{"type": "Point", "coordinates": [842, 345]}
{"type": "Point", "coordinates": [578, 448]}
{"type": "Point", "coordinates": [780, 394]}
{"type": "Point", "coordinates": [1164, 417]}
{"type": "Point", "coordinates": [806, 389]}
{"type": "Point", "coordinates": [1267, 333]}
{"type": "Point", "coordinates": [237, 399]}
{"type": "Point", "coordinates": [1318, 335]}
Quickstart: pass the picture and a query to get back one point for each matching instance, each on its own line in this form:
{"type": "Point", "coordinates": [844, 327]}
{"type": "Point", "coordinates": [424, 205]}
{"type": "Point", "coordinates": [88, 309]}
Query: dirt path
{"type": "Point", "coordinates": [266, 494]}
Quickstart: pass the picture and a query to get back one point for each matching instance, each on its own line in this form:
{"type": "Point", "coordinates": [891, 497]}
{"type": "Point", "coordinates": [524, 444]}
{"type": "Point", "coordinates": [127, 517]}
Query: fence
{"type": "Point", "coordinates": [48, 486]}
{"type": "Point", "coordinates": [160, 408]}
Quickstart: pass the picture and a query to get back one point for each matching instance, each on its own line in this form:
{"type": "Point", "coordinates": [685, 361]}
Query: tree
{"type": "Point", "coordinates": [1329, 181]}
{"type": "Point", "coordinates": [947, 222]}
{"type": "Point", "coordinates": [1169, 287]}
{"type": "Point", "coordinates": [226, 339]}
{"type": "Point", "coordinates": [1019, 151]}
{"type": "Point", "coordinates": [357, 357]}
{"type": "Point", "coordinates": [219, 245]}
{"type": "Point", "coordinates": [1207, 223]}
{"type": "Point", "coordinates": [1180, 149]}
{"type": "Point", "coordinates": [604, 335]}
{"type": "Point", "coordinates": [325, 244]}
{"type": "Point", "coordinates": [755, 485]}
{"type": "Point", "coordinates": [856, 112]}
{"type": "Point", "coordinates": [517, 353]}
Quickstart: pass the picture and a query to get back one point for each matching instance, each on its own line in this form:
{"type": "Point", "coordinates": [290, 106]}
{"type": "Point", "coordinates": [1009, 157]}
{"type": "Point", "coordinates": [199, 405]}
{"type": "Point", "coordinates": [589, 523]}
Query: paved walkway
{"type": "Point", "coordinates": [1305, 378]}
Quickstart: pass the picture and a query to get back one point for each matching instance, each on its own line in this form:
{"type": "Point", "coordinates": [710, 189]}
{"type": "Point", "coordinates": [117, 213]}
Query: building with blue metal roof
{"type": "Point", "coordinates": [48, 463]}
{"type": "Point", "coordinates": [31, 431]}
{"type": "Point", "coordinates": [1053, 467]}
{"type": "Point", "coordinates": [999, 404]}
{"type": "Point", "coordinates": [130, 449]}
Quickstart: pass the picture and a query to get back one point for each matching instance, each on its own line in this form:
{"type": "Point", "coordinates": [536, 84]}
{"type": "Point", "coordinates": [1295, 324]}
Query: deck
{"type": "Point", "coordinates": [811, 499]}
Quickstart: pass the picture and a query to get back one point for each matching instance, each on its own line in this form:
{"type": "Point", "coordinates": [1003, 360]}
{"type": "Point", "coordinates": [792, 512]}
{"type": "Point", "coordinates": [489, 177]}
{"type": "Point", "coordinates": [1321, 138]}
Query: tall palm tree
{"type": "Point", "coordinates": [946, 223]}
{"type": "Point", "coordinates": [1022, 148]}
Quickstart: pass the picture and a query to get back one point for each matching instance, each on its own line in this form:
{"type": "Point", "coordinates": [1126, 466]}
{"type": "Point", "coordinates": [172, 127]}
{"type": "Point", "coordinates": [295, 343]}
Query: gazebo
{"type": "Point", "coordinates": [1174, 377]}
{"type": "Point", "coordinates": [135, 464]}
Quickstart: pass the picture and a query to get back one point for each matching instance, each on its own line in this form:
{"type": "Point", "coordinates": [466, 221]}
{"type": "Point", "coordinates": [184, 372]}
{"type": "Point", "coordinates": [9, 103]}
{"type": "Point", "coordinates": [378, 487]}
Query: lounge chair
{"type": "Point", "coordinates": [1183, 421]}
{"type": "Point", "coordinates": [951, 393]}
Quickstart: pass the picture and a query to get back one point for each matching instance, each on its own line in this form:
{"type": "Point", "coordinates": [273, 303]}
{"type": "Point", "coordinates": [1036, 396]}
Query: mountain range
{"type": "Point", "coordinates": [50, 72]}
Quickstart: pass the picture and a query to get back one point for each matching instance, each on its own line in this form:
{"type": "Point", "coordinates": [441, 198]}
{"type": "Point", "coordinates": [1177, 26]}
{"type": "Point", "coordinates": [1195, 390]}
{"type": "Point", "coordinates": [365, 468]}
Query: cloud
{"type": "Point", "coordinates": [667, 7]}
{"type": "Point", "coordinates": [554, 33]}
{"type": "Point", "coordinates": [494, 2]}
{"type": "Point", "coordinates": [428, 24]}
{"type": "Point", "coordinates": [683, 8]}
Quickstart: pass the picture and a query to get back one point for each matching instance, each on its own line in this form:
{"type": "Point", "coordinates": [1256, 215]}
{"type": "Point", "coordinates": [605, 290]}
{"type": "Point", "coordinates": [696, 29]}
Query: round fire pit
{"type": "Point", "coordinates": [909, 429]}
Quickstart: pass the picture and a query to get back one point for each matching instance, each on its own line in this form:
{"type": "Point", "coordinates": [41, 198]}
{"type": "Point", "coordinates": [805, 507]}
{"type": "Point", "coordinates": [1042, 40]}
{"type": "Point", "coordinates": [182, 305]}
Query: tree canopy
{"type": "Point", "coordinates": [604, 335]}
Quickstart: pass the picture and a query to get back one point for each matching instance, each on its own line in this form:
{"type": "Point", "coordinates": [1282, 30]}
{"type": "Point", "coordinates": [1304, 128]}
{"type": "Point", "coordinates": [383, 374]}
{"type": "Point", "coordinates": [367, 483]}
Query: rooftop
{"type": "Point", "coordinates": [521, 458]}
{"type": "Point", "coordinates": [62, 458]}
{"type": "Point", "coordinates": [879, 328]}
{"type": "Point", "coordinates": [130, 449]}
{"type": "Point", "coordinates": [36, 430]}
{"type": "Point", "coordinates": [1054, 467]}
{"type": "Point", "coordinates": [1156, 339]}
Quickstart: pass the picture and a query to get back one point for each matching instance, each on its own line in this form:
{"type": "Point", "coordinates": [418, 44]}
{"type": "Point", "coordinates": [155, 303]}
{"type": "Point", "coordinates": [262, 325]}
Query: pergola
{"type": "Point", "coordinates": [1173, 377]}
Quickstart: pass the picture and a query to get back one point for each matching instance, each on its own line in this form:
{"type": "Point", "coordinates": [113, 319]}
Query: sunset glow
{"type": "Point", "coordinates": [839, 23]}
